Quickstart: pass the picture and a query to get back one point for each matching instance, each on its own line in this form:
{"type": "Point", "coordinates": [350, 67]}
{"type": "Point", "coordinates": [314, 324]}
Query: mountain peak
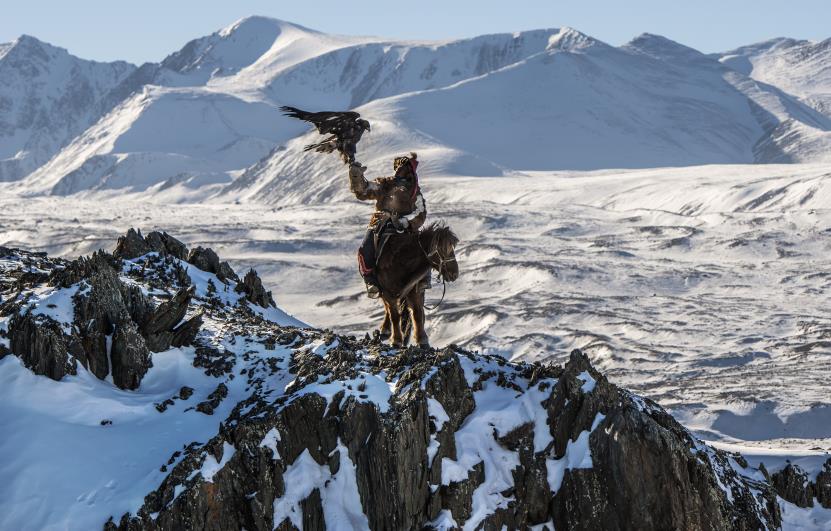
{"type": "Point", "coordinates": [255, 24]}
{"type": "Point", "coordinates": [570, 39]}
{"type": "Point", "coordinates": [662, 48]}
{"type": "Point", "coordinates": [29, 44]}
{"type": "Point", "coordinates": [233, 48]}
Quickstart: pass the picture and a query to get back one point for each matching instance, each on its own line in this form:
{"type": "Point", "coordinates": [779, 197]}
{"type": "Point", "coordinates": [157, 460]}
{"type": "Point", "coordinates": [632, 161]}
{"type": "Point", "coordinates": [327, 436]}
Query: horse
{"type": "Point", "coordinates": [406, 260]}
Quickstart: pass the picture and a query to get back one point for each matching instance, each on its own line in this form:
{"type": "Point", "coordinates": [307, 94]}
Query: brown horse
{"type": "Point", "coordinates": [405, 261]}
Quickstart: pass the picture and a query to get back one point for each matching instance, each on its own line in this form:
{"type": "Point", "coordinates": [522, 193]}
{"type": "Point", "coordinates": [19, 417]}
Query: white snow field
{"type": "Point", "coordinates": [688, 273]}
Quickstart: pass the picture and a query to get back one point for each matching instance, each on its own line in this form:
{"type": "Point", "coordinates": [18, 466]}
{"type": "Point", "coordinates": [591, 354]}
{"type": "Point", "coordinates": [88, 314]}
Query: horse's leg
{"type": "Point", "coordinates": [406, 322]}
{"type": "Point", "coordinates": [385, 330]}
{"type": "Point", "coordinates": [395, 321]}
{"type": "Point", "coordinates": [415, 302]}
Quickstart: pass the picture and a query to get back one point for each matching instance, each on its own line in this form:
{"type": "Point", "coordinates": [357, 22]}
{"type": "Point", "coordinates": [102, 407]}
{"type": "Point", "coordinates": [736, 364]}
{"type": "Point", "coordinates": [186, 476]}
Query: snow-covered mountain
{"type": "Point", "coordinates": [47, 98]}
{"type": "Point", "coordinates": [801, 68]}
{"type": "Point", "coordinates": [204, 121]}
{"type": "Point", "coordinates": [577, 104]}
{"type": "Point", "coordinates": [210, 108]}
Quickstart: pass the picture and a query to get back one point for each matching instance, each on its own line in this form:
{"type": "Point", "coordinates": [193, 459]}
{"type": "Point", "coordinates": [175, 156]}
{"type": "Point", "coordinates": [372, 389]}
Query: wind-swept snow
{"type": "Point", "coordinates": [45, 421]}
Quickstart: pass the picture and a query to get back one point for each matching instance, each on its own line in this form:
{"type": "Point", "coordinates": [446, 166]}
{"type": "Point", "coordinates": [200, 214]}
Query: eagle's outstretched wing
{"type": "Point", "coordinates": [326, 122]}
{"type": "Point", "coordinates": [345, 128]}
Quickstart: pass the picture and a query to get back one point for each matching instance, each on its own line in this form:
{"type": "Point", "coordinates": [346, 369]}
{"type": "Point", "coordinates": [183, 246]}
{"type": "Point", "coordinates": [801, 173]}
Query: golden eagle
{"type": "Point", "coordinates": [345, 130]}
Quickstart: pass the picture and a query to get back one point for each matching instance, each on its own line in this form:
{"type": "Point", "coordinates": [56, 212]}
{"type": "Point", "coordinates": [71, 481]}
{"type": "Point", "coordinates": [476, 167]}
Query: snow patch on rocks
{"type": "Point", "coordinates": [338, 492]}
{"type": "Point", "coordinates": [578, 455]}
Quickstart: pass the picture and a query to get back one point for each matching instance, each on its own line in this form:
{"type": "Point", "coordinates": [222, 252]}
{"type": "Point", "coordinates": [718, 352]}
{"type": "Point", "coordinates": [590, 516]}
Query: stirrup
{"type": "Point", "coordinates": [372, 291]}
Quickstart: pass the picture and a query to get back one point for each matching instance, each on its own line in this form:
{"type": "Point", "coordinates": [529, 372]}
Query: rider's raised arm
{"type": "Point", "coordinates": [359, 186]}
{"type": "Point", "coordinates": [416, 218]}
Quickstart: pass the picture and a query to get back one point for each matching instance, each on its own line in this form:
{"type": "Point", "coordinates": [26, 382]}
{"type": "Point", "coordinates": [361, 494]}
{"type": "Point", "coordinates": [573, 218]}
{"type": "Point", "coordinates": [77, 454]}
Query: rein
{"type": "Point", "coordinates": [443, 291]}
{"type": "Point", "coordinates": [440, 266]}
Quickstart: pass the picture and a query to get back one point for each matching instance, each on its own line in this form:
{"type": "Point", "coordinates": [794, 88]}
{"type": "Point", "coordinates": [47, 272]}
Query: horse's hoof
{"type": "Point", "coordinates": [425, 346]}
{"type": "Point", "coordinates": [394, 344]}
{"type": "Point", "coordinates": [384, 336]}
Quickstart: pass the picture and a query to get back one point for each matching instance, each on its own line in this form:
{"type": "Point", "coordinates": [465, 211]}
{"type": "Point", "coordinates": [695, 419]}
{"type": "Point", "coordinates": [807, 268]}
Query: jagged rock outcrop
{"type": "Point", "coordinates": [446, 446]}
{"type": "Point", "coordinates": [130, 355]}
{"type": "Point", "coordinates": [822, 487]}
{"type": "Point", "coordinates": [255, 293]}
{"type": "Point", "coordinates": [101, 302]}
{"type": "Point", "coordinates": [794, 484]}
{"type": "Point", "coordinates": [162, 329]}
{"type": "Point", "coordinates": [164, 243]}
{"type": "Point", "coordinates": [93, 316]}
{"type": "Point", "coordinates": [42, 345]}
{"type": "Point", "coordinates": [133, 245]}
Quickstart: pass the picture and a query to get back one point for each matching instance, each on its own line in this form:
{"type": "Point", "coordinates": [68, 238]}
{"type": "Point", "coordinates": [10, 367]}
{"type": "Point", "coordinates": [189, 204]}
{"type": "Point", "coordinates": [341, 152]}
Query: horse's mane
{"type": "Point", "coordinates": [441, 236]}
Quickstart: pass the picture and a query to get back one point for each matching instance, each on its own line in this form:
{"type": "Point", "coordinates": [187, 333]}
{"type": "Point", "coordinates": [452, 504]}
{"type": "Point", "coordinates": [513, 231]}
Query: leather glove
{"type": "Point", "coordinates": [356, 170]}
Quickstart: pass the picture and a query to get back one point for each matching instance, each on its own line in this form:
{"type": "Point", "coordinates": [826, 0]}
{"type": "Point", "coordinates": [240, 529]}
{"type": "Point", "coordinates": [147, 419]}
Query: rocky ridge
{"type": "Point", "coordinates": [335, 430]}
{"type": "Point", "coordinates": [93, 312]}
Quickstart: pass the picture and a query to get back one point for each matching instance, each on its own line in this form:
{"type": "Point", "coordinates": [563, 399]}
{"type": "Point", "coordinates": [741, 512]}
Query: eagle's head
{"type": "Point", "coordinates": [364, 124]}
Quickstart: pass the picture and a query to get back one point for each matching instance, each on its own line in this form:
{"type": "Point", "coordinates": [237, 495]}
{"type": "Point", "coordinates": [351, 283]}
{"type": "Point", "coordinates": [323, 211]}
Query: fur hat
{"type": "Point", "coordinates": [400, 161]}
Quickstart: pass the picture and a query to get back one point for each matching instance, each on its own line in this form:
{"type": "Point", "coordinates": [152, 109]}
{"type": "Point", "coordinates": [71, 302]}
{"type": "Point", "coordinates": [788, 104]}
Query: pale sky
{"type": "Point", "coordinates": [148, 30]}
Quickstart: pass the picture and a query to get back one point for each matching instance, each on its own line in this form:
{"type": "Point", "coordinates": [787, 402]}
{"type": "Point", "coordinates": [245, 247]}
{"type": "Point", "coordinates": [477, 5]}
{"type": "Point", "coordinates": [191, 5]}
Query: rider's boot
{"type": "Point", "coordinates": [366, 262]}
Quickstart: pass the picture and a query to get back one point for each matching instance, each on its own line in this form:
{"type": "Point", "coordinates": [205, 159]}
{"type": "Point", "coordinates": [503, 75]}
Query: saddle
{"type": "Point", "coordinates": [382, 235]}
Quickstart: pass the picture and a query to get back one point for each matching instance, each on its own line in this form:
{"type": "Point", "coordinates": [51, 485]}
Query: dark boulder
{"type": "Point", "coordinates": [204, 258]}
{"type": "Point", "coordinates": [130, 355]}
{"type": "Point", "coordinates": [42, 345]}
{"type": "Point", "coordinates": [207, 260]}
{"type": "Point", "coordinates": [162, 330]}
{"type": "Point", "coordinates": [165, 244]}
{"type": "Point", "coordinates": [174, 247]}
{"type": "Point", "coordinates": [132, 245]}
{"type": "Point", "coordinates": [185, 334]}
{"type": "Point", "coordinates": [214, 399]}
{"type": "Point", "coordinates": [226, 273]}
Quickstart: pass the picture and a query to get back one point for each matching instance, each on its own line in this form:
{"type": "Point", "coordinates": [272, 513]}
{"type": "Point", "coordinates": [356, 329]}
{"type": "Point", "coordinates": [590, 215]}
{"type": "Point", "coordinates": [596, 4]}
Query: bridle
{"type": "Point", "coordinates": [440, 266]}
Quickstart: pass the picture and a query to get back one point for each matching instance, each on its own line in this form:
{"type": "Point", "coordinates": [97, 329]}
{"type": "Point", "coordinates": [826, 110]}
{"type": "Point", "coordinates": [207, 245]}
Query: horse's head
{"type": "Point", "coordinates": [442, 251]}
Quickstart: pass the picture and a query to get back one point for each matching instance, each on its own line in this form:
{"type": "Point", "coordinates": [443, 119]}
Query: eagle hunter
{"type": "Point", "coordinates": [345, 129]}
